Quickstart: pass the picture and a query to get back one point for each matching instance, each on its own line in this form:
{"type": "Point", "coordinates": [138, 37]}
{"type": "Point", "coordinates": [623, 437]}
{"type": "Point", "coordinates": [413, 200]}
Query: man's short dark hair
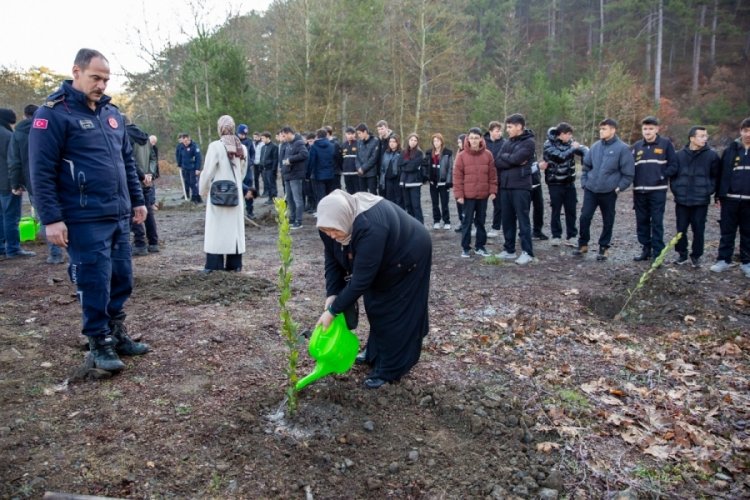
{"type": "Point", "coordinates": [475, 130]}
{"type": "Point", "coordinates": [462, 138]}
{"type": "Point", "coordinates": [84, 57]}
{"type": "Point", "coordinates": [745, 123]}
{"type": "Point", "coordinates": [350, 130]}
{"type": "Point", "coordinates": [564, 128]}
{"type": "Point", "coordinates": [286, 129]}
{"type": "Point", "coordinates": [381, 123]}
{"type": "Point", "coordinates": [494, 124]}
{"type": "Point", "coordinates": [650, 120]}
{"type": "Point", "coordinates": [363, 128]}
{"type": "Point", "coordinates": [516, 119]}
{"type": "Point", "coordinates": [694, 130]}
{"type": "Point", "coordinates": [321, 133]}
{"type": "Point", "coordinates": [183, 135]}
{"type": "Point", "coordinates": [309, 136]}
{"type": "Point", "coordinates": [609, 122]}
{"type": "Point", "coordinates": [265, 133]}
{"type": "Point", "coordinates": [328, 129]}
{"type": "Point", "coordinates": [29, 110]}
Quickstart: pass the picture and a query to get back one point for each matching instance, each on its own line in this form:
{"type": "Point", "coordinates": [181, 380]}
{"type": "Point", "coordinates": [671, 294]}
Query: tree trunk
{"type": "Point", "coordinates": [649, 29]}
{"type": "Point", "coordinates": [308, 41]}
{"type": "Point", "coordinates": [601, 31]}
{"type": "Point", "coordinates": [552, 31]}
{"type": "Point", "coordinates": [712, 53]}
{"type": "Point", "coordinates": [659, 45]}
{"type": "Point", "coordinates": [422, 83]}
{"type": "Point", "coordinates": [697, 40]}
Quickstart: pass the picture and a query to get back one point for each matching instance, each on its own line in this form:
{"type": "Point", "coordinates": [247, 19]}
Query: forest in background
{"type": "Point", "coordinates": [442, 66]}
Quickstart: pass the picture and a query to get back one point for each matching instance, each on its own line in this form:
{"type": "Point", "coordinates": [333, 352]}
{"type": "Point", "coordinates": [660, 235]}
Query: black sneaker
{"type": "Point", "coordinates": [374, 382]}
{"type": "Point", "coordinates": [103, 350]}
{"type": "Point", "coordinates": [153, 249]}
{"type": "Point", "coordinates": [681, 260]}
{"type": "Point", "coordinates": [602, 256]}
{"type": "Point", "coordinates": [137, 251]}
{"type": "Point", "coordinates": [695, 262]}
{"type": "Point", "coordinates": [540, 236]}
{"type": "Point", "coordinates": [644, 255]}
{"type": "Point", "coordinates": [125, 345]}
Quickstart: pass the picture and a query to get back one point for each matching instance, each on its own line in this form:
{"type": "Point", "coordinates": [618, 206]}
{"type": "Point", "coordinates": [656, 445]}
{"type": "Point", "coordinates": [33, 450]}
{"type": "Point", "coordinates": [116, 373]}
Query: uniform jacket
{"type": "Point", "coordinates": [411, 168]}
{"type": "Point", "coordinates": [515, 160]}
{"type": "Point", "coordinates": [474, 173]}
{"type": "Point", "coordinates": [18, 157]}
{"type": "Point", "coordinates": [561, 159]}
{"type": "Point", "coordinates": [655, 162]}
{"type": "Point", "coordinates": [390, 168]}
{"type": "Point", "coordinates": [608, 165]}
{"type": "Point", "coordinates": [734, 181]}
{"type": "Point", "coordinates": [349, 158]}
{"type": "Point", "coordinates": [296, 152]}
{"type": "Point", "coordinates": [695, 179]}
{"type": "Point", "coordinates": [225, 226]}
{"type": "Point", "coordinates": [6, 133]}
{"type": "Point", "coordinates": [321, 165]}
{"type": "Point", "coordinates": [188, 158]}
{"type": "Point", "coordinates": [81, 162]}
{"type": "Point", "coordinates": [440, 174]}
{"type": "Point", "coordinates": [367, 156]}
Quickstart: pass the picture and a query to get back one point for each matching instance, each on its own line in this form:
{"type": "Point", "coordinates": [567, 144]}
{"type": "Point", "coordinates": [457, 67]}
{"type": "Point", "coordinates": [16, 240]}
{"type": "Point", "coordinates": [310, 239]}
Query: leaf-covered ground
{"type": "Point", "coordinates": [527, 386]}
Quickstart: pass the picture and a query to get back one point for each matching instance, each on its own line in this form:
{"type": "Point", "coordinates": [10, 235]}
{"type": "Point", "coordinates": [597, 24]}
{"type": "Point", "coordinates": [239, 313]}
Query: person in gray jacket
{"type": "Point", "coordinates": [608, 169]}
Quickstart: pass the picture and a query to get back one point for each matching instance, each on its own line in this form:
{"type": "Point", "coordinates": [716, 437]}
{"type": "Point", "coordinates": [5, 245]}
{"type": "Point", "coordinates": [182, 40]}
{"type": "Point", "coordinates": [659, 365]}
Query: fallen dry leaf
{"type": "Point", "coordinates": [689, 320]}
{"type": "Point", "coordinates": [659, 451]}
{"type": "Point", "coordinates": [729, 349]}
{"type": "Point", "coordinates": [547, 446]}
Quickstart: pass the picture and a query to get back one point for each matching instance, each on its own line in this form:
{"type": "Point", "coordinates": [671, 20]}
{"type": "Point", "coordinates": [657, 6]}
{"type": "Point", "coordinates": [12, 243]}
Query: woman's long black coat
{"type": "Point", "coordinates": [388, 262]}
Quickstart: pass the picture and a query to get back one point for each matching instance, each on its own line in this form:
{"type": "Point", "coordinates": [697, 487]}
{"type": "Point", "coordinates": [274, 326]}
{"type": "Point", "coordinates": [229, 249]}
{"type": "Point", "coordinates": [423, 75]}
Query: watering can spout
{"type": "Point", "coordinates": [319, 372]}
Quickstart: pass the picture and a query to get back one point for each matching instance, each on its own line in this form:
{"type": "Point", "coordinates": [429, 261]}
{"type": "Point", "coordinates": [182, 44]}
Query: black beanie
{"type": "Point", "coordinates": [8, 116]}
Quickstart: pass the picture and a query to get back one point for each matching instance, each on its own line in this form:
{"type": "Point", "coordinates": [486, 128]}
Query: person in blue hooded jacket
{"type": "Point", "coordinates": [321, 164]}
{"type": "Point", "coordinates": [85, 185]}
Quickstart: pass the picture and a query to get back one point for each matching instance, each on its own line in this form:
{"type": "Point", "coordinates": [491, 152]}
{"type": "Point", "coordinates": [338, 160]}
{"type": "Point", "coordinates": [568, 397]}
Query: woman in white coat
{"type": "Point", "coordinates": [226, 160]}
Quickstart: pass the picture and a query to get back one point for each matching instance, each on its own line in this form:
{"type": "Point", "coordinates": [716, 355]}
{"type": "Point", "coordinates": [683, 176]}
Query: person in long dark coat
{"type": "Point", "coordinates": [376, 250]}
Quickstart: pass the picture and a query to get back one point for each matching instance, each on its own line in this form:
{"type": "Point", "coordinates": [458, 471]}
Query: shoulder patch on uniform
{"type": "Point", "coordinates": [40, 123]}
{"type": "Point", "coordinates": [53, 103]}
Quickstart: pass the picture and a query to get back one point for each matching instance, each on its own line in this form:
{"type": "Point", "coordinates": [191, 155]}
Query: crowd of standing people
{"type": "Point", "coordinates": [90, 200]}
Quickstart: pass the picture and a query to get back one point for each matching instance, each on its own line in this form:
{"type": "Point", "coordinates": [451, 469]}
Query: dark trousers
{"type": "Point", "coordinates": [101, 268]}
{"type": "Point", "coordinates": [734, 214]}
{"type": "Point", "coordinates": [146, 231]}
{"type": "Point", "coordinates": [649, 219]}
{"type": "Point", "coordinates": [216, 262]}
{"type": "Point", "coordinates": [413, 203]}
{"type": "Point", "coordinates": [368, 184]}
{"type": "Point", "coordinates": [460, 211]}
{"type": "Point", "coordinates": [321, 189]}
{"type": "Point", "coordinates": [563, 195]}
{"type": "Point", "coordinates": [439, 196]}
{"type": "Point", "coordinates": [351, 183]}
{"type": "Point", "coordinates": [497, 212]}
{"type": "Point", "coordinates": [10, 216]}
{"type": "Point", "coordinates": [392, 191]}
{"type": "Point", "coordinates": [515, 205]}
{"type": "Point", "coordinates": [191, 184]}
{"type": "Point", "coordinates": [269, 183]}
{"type": "Point", "coordinates": [537, 203]}
{"type": "Point", "coordinates": [475, 211]}
{"type": "Point", "coordinates": [695, 217]}
{"type": "Point", "coordinates": [606, 203]}
{"type": "Point", "coordinates": [257, 176]}
{"type": "Point", "coordinates": [308, 195]}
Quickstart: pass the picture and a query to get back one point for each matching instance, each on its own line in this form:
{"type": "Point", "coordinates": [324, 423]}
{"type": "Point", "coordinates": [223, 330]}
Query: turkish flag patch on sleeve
{"type": "Point", "coordinates": [40, 123]}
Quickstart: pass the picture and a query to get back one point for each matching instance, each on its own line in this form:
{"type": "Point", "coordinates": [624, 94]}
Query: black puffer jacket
{"type": "Point", "coordinates": [561, 159]}
{"type": "Point", "coordinates": [514, 161]}
{"type": "Point", "coordinates": [695, 180]}
{"type": "Point", "coordinates": [734, 180]}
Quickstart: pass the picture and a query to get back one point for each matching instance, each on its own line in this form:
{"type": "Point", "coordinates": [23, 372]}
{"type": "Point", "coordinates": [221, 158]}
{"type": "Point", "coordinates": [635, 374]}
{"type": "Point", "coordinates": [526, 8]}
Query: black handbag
{"type": "Point", "coordinates": [224, 194]}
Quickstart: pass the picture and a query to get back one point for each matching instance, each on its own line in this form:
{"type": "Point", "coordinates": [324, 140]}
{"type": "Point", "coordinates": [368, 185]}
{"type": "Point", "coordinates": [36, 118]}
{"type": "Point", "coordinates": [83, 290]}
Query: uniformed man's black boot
{"type": "Point", "coordinates": [644, 255]}
{"type": "Point", "coordinates": [125, 345]}
{"type": "Point", "coordinates": [103, 350]}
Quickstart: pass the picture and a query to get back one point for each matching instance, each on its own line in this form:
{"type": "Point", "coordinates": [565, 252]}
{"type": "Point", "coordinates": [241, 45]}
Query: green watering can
{"type": "Point", "coordinates": [334, 350]}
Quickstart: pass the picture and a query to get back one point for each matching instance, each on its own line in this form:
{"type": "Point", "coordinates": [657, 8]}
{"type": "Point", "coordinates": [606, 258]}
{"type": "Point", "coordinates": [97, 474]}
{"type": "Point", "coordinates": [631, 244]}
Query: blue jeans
{"type": "Point", "coordinates": [191, 184]}
{"type": "Point", "coordinates": [515, 205]}
{"type": "Point", "coordinates": [607, 204]}
{"type": "Point", "coordinates": [294, 201]}
{"type": "Point", "coordinates": [475, 213]}
{"type": "Point", "coordinates": [649, 219]}
{"type": "Point", "coordinates": [54, 250]}
{"type": "Point", "coordinates": [10, 237]}
{"type": "Point", "coordinates": [101, 268]}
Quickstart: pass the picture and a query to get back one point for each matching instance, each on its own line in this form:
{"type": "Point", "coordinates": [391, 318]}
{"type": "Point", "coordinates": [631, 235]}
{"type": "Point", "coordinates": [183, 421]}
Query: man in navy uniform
{"type": "Point", "coordinates": [86, 185]}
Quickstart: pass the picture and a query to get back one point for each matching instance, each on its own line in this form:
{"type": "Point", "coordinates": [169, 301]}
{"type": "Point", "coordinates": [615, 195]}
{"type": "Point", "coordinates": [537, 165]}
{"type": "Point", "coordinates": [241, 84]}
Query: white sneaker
{"type": "Point", "coordinates": [482, 252]}
{"type": "Point", "coordinates": [506, 255]}
{"type": "Point", "coordinates": [492, 233]}
{"type": "Point", "coordinates": [436, 225]}
{"type": "Point", "coordinates": [555, 242]}
{"type": "Point", "coordinates": [720, 266]}
{"type": "Point", "coordinates": [447, 226]}
{"type": "Point", "coordinates": [524, 259]}
{"type": "Point", "coordinates": [746, 269]}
